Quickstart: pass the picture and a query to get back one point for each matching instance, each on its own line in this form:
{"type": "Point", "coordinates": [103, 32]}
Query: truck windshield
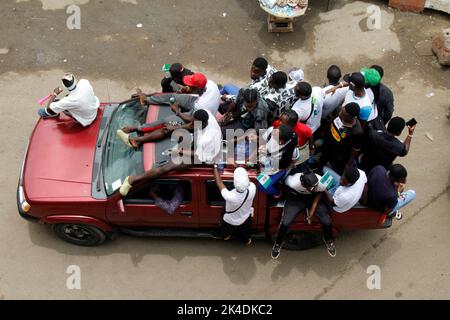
{"type": "Point", "coordinates": [120, 160]}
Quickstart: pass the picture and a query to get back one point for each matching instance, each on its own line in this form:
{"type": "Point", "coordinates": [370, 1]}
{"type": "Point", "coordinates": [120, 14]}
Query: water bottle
{"type": "Point", "coordinates": [267, 168]}
{"type": "Point", "coordinates": [220, 166]}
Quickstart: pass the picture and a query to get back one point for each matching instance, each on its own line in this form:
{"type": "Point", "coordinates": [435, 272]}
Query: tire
{"type": "Point", "coordinates": [79, 234]}
{"type": "Point", "coordinates": [301, 240]}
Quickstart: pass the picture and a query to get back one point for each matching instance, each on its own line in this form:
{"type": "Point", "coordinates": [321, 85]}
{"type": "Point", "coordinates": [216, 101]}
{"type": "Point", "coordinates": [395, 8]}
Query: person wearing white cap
{"type": "Point", "coordinates": [238, 208]}
{"type": "Point", "coordinates": [81, 103]}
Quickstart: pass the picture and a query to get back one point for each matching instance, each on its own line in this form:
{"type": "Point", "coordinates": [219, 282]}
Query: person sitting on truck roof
{"type": "Point", "coordinates": [305, 193]}
{"type": "Point", "coordinates": [238, 211]}
{"type": "Point", "coordinates": [342, 139]}
{"type": "Point", "coordinates": [384, 147]}
{"type": "Point", "coordinates": [280, 94]}
{"type": "Point", "coordinates": [309, 104]}
{"type": "Point", "coordinates": [276, 157]}
{"type": "Point", "coordinates": [383, 98]}
{"type": "Point", "coordinates": [200, 93]}
{"type": "Point", "coordinates": [207, 149]}
{"type": "Point", "coordinates": [175, 82]}
{"type": "Point", "coordinates": [260, 73]}
{"type": "Point", "coordinates": [333, 100]}
{"type": "Point", "coordinates": [290, 118]}
{"type": "Point", "coordinates": [249, 111]}
{"type": "Point", "coordinates": [346, 196]}
{"type": "Point", "coordinates": [81, 104]}
{"type": "Point", "coordinates": [385, 190]}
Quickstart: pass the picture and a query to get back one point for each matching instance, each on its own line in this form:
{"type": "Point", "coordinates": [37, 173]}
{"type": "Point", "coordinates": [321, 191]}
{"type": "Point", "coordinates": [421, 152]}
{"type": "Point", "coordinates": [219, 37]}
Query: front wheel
{"type": "Point", "coordinates": [79, 234]}
{"type": "Point", "coordinates": [301, 240]}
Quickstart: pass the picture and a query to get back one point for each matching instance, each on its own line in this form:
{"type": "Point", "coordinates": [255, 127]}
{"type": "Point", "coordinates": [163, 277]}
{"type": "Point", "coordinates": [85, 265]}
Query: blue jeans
{"type": "Point", "coordinates": [336, 177]}
{"type": "Point", "coordinates": [230, 89]}
{"type": "Point", "coordinates": [272, 188]}
{"type": "Point", "coordinates": [404, 199]}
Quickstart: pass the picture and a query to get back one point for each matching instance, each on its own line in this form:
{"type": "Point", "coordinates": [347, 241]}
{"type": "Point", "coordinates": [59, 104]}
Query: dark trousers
{"type": "Point", "coordinates": [241, 232]}
{"type": "Point", "coordinates": [298, 203]}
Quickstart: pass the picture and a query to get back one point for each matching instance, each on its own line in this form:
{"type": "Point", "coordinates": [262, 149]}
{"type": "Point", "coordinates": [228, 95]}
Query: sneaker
{"type": "Point", "coordinates": [331, 247]}
{"type": "Point", "coordinates": [276, 250]}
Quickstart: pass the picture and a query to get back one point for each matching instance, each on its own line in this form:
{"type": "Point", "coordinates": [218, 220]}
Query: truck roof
{"type": "Point", "coordinates": [156, 153]}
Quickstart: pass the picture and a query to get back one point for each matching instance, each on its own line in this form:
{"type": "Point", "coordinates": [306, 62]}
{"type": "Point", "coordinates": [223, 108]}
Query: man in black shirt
{"type": "Point", "coordinates": [383, 147]}
{"type": "Point", "coordinates": [177, 72]}
{"type": "Point", "coordinates": [342, 139]}
{"type": "Point", "coordinates": [385, 190]}
{"type": "Point", "coordinates": [384, 99]}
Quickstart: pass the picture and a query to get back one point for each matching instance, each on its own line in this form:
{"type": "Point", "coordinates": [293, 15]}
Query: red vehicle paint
{"type": "Point", "coordinates": [62, 184]}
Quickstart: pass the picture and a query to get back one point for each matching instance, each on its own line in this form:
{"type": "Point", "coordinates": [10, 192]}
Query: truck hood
{"type": "Point", "coordinates": [60, 158]}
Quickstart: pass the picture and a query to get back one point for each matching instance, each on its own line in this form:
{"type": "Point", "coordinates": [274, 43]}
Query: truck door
{"type": "Point", "coordinates": [140, 208]}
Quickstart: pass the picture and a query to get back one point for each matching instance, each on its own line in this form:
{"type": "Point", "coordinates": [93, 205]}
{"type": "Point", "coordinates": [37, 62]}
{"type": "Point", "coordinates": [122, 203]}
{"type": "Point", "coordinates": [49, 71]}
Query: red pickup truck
{"type": "Point", "coordinates": [71, 175]}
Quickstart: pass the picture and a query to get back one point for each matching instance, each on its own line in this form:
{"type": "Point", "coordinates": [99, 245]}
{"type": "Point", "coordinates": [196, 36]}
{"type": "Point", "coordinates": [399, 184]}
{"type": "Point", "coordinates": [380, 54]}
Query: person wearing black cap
{"type": "Point", "coordinates": [342, 139]}
{"type": "Point", "coordinates": [362, 96]}
{"type": "Point", "coordinates": [384, 147]}
{"type": "Point", "coordinates": [309, 104]}
{"type": "Point", "coordinates": [305, 193]}
{"type": "Point", "coordinates": [385, 190]}
{"type": "Point", "coordinates": [173, 83]}
{"type": "Point", "coordinates": [346, 196]}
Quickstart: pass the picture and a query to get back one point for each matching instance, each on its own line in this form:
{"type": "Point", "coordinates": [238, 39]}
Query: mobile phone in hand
{"type": "Point", "coordinates": [411, 123]}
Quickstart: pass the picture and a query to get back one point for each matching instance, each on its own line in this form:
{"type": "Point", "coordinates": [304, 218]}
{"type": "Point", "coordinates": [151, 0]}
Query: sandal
{"type": "Point", "coordinates": [125, 137]}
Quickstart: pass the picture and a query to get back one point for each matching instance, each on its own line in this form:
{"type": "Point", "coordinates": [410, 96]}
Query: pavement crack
{"type": "Point", "coordinates": [375, 245]}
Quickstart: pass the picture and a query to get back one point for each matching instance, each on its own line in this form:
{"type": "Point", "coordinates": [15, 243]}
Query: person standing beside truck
{"type": "Point", "coordinates": [238, 210]}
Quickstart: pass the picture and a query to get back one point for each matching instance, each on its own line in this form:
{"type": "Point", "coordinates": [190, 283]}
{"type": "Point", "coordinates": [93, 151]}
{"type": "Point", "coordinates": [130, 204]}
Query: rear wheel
{"type": "Point", "coordinates": [79, 234]}
{"type": "Point", "coordinates": [301, 240]}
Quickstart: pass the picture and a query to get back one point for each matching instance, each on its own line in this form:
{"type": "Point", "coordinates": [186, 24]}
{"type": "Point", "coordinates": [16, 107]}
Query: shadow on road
{"type": "Point", "coordinates": [240, 263]}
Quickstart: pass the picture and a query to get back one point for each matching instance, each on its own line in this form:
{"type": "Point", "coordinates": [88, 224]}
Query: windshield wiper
{"type": "Point", "coordinates": [99, 145]}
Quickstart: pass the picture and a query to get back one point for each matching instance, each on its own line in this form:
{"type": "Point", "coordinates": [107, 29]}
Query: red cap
{"type": "Point", "coordinates": [197, 80]}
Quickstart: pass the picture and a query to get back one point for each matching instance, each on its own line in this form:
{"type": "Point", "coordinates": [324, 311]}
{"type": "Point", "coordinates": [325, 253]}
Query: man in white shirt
{"type": "Point", "coordinates": [238, 210]}
{"type": "Point", "coordinates": [350, 190]}
{"type": "Point", "coordinates": [80, 104]}
{"type": "Point", "coordinates": [346, 196]}
{"type": "Point", "coordinates": [309, 105]}
{"type": "Point", "coordinates": [209, 137]}
{"type": "Point", "coordinates": [306, 194]}
{"type": "Point", "coordinates": [200, 93]}
{"type": "Point", "coordinates": [362, 96]}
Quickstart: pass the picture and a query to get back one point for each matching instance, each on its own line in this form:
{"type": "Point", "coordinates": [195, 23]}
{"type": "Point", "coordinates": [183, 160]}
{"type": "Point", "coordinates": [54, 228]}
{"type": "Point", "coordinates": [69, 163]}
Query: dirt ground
{"type": "Point", "coordinates": [221, 38]}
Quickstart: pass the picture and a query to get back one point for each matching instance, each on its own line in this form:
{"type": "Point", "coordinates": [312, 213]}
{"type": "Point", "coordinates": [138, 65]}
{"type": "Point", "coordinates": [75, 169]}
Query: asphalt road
{"type": "Point", "coordinates": [36, 48]}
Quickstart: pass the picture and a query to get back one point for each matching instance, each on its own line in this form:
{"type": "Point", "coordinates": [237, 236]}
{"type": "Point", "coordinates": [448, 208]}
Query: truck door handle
{"type": "Point", "coordinates": [186, 213]}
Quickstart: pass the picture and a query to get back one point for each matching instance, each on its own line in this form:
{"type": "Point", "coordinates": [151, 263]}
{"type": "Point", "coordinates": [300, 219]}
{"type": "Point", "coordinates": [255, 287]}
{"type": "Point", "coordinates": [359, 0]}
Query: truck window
{"type": "Point", "coordinates": [213, 196]}
{"type": "Point", "coordinates": [165, 189]}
